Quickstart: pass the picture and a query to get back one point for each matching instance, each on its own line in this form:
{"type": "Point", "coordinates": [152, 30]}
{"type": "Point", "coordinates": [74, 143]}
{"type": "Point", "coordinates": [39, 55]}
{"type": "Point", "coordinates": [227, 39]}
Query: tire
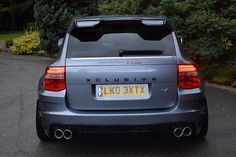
{"type": "Point", "coordinates": [204, 126]}
{"type": "Point", "coordinates": [39, 129]}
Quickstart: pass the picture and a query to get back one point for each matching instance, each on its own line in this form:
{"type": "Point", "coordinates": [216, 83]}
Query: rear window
{"type": "Point", "coordinates": [108, 39]}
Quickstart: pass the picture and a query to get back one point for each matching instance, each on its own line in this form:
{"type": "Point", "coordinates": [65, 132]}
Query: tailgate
{"type": "Point", "coordinates": [85, 77]}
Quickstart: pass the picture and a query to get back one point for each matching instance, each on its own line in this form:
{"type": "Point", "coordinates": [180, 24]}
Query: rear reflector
{"type": "Point", "coordinates": [54, 79]}
{"type": "Point", "coordinates": [188, 76]}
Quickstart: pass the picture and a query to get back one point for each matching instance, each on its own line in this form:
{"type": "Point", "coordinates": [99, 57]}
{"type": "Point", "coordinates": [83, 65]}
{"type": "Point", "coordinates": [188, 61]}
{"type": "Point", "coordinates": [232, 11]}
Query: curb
{"type": "Point", "coordinates": [221, 87]}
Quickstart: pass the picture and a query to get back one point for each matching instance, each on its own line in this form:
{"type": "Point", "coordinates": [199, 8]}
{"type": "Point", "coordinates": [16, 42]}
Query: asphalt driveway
{"type": "Point", "coordinates": [18, 93]}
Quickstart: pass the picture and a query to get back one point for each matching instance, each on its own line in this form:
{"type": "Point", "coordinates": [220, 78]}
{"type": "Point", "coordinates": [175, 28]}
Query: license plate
{"type": "Point", "coordinates": [122, 92]}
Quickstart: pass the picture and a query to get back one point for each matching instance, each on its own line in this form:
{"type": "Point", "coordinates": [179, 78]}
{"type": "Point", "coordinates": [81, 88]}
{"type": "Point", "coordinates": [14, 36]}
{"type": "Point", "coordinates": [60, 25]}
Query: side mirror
{"type": "Point", "coordinates": [60, 42]}
{"type": "Point", "coordinates": [180, 39]}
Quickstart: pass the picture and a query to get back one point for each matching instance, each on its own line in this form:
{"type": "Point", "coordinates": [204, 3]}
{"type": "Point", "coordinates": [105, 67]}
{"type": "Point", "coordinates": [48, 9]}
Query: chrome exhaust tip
{"type": "Point", "coordinates": [178, 132]}
{"type": "Point", "coordinates": [58, 133]}
{"type": "Point", "coordinates": [68, 134]}
{"type": "Point", "coordinates": [187, 131]}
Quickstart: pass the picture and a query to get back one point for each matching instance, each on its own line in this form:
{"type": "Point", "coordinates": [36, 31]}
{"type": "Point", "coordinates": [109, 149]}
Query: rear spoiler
{"type": "Point", "coordinates": [88, 22]}
{"type": "Point", "coordinates": [147, 22]}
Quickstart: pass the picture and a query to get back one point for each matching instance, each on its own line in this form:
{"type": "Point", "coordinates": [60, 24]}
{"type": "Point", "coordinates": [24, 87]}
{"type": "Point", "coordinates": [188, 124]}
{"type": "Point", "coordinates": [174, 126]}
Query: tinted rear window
{"type": "Point", "coordinates": [109, 39]}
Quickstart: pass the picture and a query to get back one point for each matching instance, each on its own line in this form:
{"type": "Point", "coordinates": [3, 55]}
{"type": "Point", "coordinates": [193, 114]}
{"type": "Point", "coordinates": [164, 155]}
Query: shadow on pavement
{"type": "Point", "coordinates": [126, 145]}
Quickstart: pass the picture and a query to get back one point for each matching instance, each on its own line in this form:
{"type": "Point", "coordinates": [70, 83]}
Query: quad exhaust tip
{"type": "Point", "coordinates": [187, 131]}
{"type": "Point", "coordinates": [66, 134]}
{"type": "Point", "coordinates": [179, 132]}
{"type": "Point", "coordinates": [59, 134]}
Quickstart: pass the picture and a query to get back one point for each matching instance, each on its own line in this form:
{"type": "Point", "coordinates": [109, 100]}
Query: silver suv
{"type": "Point", "coordinates": [121, 73]}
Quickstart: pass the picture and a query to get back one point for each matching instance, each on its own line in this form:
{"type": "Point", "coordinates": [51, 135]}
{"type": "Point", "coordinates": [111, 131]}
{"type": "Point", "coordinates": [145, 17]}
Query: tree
{"type": "Point", "coordinates": [83, 8]}
{"type": "Point", "coordinates": [14, 14]}
{"type": "Point", "coordinates": [52, 18]}
{"type": "Point", "coordinates": [208, 26]}
{"type": "Point", "coordinates": [115, 7]}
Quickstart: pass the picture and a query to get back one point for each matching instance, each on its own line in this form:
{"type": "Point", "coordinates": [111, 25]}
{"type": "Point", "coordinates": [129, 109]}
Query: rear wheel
{"type": "Point", "coordinates": [39, 129]}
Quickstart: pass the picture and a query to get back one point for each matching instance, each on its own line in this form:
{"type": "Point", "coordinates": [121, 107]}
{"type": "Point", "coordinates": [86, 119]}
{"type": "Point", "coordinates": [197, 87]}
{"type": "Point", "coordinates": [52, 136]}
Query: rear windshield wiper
{"type": "Point", "coordinates": [140, 52]}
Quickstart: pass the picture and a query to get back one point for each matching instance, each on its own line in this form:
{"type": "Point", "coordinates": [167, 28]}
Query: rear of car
{"type": "Point", "coordinates": [121, 73]}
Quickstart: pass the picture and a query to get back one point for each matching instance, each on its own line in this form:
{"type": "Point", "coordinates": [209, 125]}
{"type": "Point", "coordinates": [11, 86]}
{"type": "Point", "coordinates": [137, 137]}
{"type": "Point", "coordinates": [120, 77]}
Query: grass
{"type": "Point", "coordinates": [10, 36]}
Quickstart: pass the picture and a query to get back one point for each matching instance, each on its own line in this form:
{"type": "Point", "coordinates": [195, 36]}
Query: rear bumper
{"type": "Point", "coordinates": [190, 108]}
{"type": "Point", "coordinates": [66, 117]}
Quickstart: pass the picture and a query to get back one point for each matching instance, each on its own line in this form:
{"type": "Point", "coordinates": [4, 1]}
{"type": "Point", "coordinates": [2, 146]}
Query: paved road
{"type": "Point", "coordinates": [18, 84]}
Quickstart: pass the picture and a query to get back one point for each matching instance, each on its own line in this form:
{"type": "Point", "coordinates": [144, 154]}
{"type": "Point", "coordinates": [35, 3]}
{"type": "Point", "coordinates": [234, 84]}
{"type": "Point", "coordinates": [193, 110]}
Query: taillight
{"type": "Point", "coordinates": [55, 79]}
{"type": "Point", "coordinates": [188, 76]}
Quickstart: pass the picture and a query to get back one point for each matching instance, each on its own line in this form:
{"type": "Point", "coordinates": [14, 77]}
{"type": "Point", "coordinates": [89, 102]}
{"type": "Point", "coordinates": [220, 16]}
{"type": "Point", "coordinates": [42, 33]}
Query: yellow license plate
{"type": "Point", "coordinates": [130, 91]}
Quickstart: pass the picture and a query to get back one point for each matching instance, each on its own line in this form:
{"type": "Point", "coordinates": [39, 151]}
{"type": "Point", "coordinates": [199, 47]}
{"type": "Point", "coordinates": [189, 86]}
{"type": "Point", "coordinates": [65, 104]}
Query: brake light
{"type": "Point", "coordinates": [188, 76]}
{"type": "Point", "coordinates": [54, 79]}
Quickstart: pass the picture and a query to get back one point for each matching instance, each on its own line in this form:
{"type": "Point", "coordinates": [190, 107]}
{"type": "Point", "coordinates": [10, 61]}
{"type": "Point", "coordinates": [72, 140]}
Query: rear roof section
{"type": "Point", "coordinates": [117, 18]}
{"type": "Point", "coordinates": [114, 36]}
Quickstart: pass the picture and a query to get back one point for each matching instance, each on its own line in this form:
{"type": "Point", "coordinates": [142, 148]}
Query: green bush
{"type": "Point", "coordinates": [231, 73]}
{"type": "Point", "coordinates": [9, 43]}
{"type": "Point", "coordinates": [218, 73]}
{"type": "Point", "coordinates": [225, 80]}
{"type": "Point", "coordinates": [210, 70]}
{"type": "Point", "coordinates": [26, 44]}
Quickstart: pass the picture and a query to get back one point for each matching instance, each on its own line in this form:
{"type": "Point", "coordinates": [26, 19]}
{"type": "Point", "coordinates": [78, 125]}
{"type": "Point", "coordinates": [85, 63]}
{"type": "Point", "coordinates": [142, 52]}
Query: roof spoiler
{"type": "Point", "coordinates": [94, 22]}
